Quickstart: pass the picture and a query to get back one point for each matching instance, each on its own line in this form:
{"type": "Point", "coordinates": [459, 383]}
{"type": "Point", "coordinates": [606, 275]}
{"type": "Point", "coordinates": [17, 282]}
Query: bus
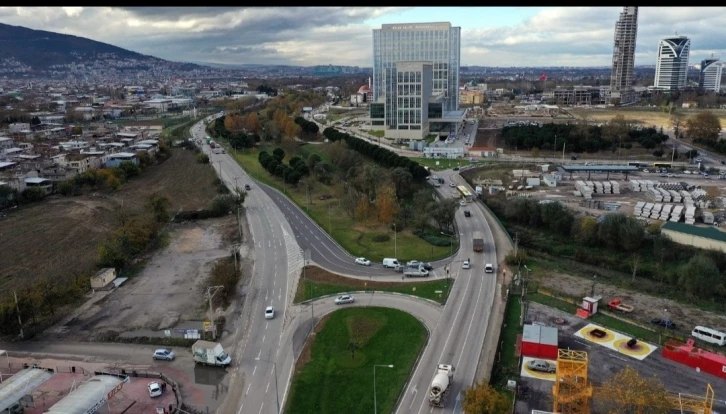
{"type": "Point", "coordinates": [465, 194]}
{"type": "Point", "coordinates": [662, 164]}
{"type": "Point", "coordinates": [209, 139]}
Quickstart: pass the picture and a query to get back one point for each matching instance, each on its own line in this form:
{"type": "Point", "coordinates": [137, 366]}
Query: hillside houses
{"type": "Point", "coordinates": [24, 165]}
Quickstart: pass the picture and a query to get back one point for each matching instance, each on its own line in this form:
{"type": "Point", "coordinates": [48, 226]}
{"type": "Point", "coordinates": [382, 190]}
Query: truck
{"type": "Point", "coordinates": [478, 241]}
{"type": "Point", "coordinates": [211, 144]}
{"type": "Point", "coordinates": [440, 385]}
{"type": "Point", "coordinates": [210, 353]}
{"type": "Point", "coordinates": [617, 305]}
{"type": "Point", "coordinates": [419, 271]}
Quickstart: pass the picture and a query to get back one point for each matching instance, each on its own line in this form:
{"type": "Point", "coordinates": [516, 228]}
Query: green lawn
{"type": "Point", "coordinates": [376, 133]}
{"type": "Point", "coordinates": [427, 290]}
{"type": "Point", "coordinates": [356, 238]}
{"type": "Point", "coordinates": [444, 163]}
{"type": "Point", "coordinates": [431, 138]}
{"type": "Point", "coordinates": [507, 364]}
{"type": "Point", "coordinates": [338, 378]}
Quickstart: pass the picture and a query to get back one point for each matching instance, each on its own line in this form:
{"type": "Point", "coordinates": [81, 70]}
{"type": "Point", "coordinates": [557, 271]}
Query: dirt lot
{"type": "Point", "coordinates": [603, 363]}
{"type": "Point", "coordinates": [167, 292]}
{"type": "Point", "coordinates": [58, 238]}
{"type": "Point", "coordinates": [644, 116]}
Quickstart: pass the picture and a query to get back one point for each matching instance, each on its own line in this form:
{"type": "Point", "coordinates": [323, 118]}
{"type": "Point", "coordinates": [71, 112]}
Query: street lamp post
{"type": "Point", "coordinates": [375, 402]}
{"type": "Point", "coordinates": [395, 245]}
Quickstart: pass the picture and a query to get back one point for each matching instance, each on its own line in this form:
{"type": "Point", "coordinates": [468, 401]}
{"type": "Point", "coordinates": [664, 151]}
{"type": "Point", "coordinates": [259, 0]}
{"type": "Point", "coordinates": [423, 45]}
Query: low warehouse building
{"type": "Point", "coordinates": [702, 237]}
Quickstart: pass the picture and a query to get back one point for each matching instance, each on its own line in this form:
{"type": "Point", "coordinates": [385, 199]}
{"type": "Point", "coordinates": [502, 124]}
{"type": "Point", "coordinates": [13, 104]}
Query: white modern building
{"type": "Point", "coordinates": [710, 78]}
{"type": "Point", "coordinates": [621, 77]}
{"type": "Point", "coordinates": [671, 69]}
{"type": "Point", "coordinates": [416, 49]}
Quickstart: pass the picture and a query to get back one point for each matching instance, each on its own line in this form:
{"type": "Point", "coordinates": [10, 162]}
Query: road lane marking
{"type": "Point", "coordinates": [263, 338]}
{"type": "Point", "coordinates": [258, 354]}
{"type": "Point", "coordinates": [254, 370]}
{"type": "Point", "coordinates": [268, 388]}
{"type": "Point", "coordinates": [266, 324]}
{"type": "Point", "coordinates": [263, 404]}
{"type": "Point", "coordinates": [248, 388]}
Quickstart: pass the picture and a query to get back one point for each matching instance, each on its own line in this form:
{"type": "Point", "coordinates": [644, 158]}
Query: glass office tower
{"type": "Point", "coordinates": [438, 43]}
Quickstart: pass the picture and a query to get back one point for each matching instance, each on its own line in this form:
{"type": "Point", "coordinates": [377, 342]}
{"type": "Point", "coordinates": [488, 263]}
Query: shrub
{"type": "Point", "coordinates": [658, 153]}
{"type": "Point", "coordinates": [381, 238]}
{"type": "Point", "coordinates": [65, 188]}
{"type": "Point", "coordinates": [513, 259]}
{"type": "Point", "coordinates": [33, 194]}
{"type": "Point", "coordinates": [203, 158]}
{"type": "Point", "coordinates": [434, 239]}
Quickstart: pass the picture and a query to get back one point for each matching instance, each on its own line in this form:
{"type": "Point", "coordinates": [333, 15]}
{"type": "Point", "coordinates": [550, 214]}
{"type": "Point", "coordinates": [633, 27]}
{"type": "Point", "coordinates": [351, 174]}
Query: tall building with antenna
{"type": "Point", "coordinates": [621, 77]}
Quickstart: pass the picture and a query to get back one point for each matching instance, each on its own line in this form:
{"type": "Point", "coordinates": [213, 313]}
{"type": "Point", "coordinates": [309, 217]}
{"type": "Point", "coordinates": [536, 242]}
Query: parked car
{"type": "Point", "coordinates": [414, 263]}
{"type": "Point", "coordinates": [541, 366]}
{"type": "Point", "coordinates": [269, 312]}
{"type": "Point", "coordinates": [666, 323]}
{"type": "Point", "coordinates": [154, 389]}
{"type": "Point", "coordinates": [362, 261]}
{"type": "Point", "coordinates": [466, 264]}
{"type": "Point", "coordinates": [165, 354]}
{"type": "Point", "coordinates": [452, 185]}
{"type": "Point", "coordinates": [342, 300]}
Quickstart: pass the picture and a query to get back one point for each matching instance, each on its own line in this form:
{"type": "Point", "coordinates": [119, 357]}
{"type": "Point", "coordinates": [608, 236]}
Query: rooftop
{"type": "Point", "coordinates": [21, 384]}
{"type": "Point", "coordinates": [86, 395]}
{"type": "Point", "coordinates": [710, 232]}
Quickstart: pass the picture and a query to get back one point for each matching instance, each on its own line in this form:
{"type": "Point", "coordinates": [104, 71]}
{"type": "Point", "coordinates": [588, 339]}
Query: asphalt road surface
{"type": "Point", "coordinates": [456, 339]}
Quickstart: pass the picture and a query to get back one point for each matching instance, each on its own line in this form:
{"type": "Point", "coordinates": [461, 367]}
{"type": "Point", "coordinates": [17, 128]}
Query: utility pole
{"type": "Point", "coordinates": [239, 223]}
{"type": "Point", "coordinates": [516, 243]}
{"type": "Point", "coordinates": [17, 307]}
{"type": "Point", "coordinates": [211, 291]}
{"type": "Point", "coordinates": [234, 253]}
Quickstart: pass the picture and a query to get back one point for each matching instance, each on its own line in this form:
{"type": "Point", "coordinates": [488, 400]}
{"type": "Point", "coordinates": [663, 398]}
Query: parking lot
{"type": "Point", "coordinates": [604, 362]}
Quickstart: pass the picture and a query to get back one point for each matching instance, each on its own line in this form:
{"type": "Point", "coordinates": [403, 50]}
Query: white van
{"type": "Point", "coordinates": [390, 262]}
{"type": "Point", "coordinates": [709, 335]}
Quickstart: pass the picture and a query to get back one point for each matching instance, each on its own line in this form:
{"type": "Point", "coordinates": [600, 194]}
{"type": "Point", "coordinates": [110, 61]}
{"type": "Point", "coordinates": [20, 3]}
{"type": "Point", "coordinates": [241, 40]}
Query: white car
{"type": "Point", "coordinates": [362, 261]}
{"type": "Point", "coordinates": [462, 203]}
{"type": "Point", "coordinates": [269, 312]}
{"type": "Point", "coordinates": [452, 185]}
{"type": "Point", "coordinates": [466, 264]}
{"type": "Point", "coordinates": [488, 268]}
{"type": "Point", "coordinates": [154, 389]}
{"type": "Point", "coordinates": [342, 300]}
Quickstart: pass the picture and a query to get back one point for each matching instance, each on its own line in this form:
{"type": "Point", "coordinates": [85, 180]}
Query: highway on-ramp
{"type": "Point", "coordinates": [281, 232]}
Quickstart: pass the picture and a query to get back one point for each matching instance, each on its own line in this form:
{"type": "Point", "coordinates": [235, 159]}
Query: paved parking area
{"type": "Point", "coordinates": [604, 362]}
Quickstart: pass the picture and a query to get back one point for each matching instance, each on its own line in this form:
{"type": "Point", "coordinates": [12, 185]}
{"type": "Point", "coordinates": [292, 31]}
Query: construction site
{"type": "Point", "coordinates": [588, 355]}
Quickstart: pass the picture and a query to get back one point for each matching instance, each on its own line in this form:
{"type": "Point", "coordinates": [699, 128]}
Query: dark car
{"type": "Point", "coordinates": [456, 168]}
{"type": "Point", "coordinates": [247, 187]}
{"type": "Point", "coordinates": [467, 213]}
{"type": "Point", "coordinates": [428, 266]}
{"type": "Point", "coordinates": [666, 323]}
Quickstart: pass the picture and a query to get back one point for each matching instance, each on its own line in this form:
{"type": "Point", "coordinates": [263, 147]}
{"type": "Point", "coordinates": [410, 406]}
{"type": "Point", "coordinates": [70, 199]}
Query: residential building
{"type": "Point", "coordinates": [671, 69]}
{"type": "Point", "coordinates": [621, 77]}
{"type": "Point", "coordinates": [710, 78]}
{"type": "Point", "coordinates": [414, 48]}
{"type": "Point", "coordinates": [6, 143]}
{"type": "Point", "coordinates": [471, 97]}
{"type": "Point", "coordinates": [114, 160]}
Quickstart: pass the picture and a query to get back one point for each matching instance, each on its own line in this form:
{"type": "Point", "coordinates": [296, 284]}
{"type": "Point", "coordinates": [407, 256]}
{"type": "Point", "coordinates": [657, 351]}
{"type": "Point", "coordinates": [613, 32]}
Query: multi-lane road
{"type": "Point", "coordinates": [282, 232]}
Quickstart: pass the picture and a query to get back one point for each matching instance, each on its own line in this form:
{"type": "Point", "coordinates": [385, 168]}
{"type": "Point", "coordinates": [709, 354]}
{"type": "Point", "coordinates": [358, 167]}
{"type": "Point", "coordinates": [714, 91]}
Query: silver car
{"type": "Point", "coordinates": [165, 354]}
{"type": "Point", "coordinates": [342, 300]}
{"type": "Point", "coordinates": [541, 366]}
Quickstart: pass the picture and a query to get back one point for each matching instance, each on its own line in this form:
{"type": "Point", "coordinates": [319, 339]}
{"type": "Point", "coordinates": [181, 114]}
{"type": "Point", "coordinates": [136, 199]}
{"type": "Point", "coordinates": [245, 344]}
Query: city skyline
{"type": "Point", "coordinates": [501, 36]}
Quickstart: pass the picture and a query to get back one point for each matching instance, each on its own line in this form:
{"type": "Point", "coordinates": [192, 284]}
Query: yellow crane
{"type": "Point", "coordinates": [572, 390]}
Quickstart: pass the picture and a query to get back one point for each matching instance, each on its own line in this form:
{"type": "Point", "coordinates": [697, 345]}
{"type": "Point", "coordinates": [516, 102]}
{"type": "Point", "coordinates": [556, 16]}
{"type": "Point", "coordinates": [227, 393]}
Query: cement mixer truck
{"type": "Point", "coordinates": [440, 385]}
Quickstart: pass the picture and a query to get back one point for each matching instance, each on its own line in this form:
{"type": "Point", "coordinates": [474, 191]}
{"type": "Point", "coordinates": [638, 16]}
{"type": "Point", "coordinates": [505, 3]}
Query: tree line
{"type": "Point", "coordinates": [309, 128]}
{"type": "Point", "coordinates": [582, 137]}
{"type": "Point", "coordinates": [616, 242]}
{"type": "Point", "coordinates": [291, 173]}
{"type": "Point", "coordinates": [380, 155]}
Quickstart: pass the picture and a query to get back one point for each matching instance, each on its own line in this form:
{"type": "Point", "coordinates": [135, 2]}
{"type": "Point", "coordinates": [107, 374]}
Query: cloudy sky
{"type": "Point", "coordinates": [491, 36]}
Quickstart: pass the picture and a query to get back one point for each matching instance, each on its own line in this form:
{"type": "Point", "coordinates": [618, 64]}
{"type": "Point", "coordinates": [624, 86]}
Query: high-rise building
{"type": "Point", "coordinates": [404, 56]}
{"type": "Point", "coordinates": [710, 78]}
{"type": "Point", "coordinates": [626, 31]}
{"type": "Point", "coordinates": [671, 70]}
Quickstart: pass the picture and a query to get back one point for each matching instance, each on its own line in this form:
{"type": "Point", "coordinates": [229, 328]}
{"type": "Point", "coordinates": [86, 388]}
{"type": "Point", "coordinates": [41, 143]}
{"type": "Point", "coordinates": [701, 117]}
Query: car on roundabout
{"type": "Point", "coordinates": [362, 261]}
{"type": "Point", "coordinates": [344, 299]}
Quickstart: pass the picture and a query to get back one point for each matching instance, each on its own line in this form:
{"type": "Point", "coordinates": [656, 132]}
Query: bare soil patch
{"type": "Point", "coordinates": [58, 238]}
{"type": "Point", "coordinates": [646, 307]}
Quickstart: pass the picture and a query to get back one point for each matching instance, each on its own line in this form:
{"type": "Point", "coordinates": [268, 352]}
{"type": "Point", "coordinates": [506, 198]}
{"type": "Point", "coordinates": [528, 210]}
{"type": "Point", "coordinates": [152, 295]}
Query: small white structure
{"type": "Point", "coordinates": [103, 277]}
{"type": "Point", "coordinates": [549, 180]}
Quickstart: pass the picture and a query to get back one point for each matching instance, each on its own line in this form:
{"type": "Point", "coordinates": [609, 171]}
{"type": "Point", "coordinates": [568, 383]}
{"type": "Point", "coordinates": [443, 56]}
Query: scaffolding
{"type": "Point", "coordinates": [692, 404]}
{"type": "Point", "coordinates": [571, 391]}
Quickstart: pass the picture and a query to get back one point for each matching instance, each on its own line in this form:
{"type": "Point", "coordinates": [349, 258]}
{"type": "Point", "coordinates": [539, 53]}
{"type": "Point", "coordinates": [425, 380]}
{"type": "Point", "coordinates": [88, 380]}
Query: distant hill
{"type": "Point", "coordinates": [39, 49]}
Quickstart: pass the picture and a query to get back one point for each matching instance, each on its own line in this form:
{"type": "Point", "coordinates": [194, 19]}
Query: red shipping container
{"type": "Point", "coordinates": [530, 341]}
{"type": "Point", "coordinates": [548, 342]}
{"type": "Point", "coordinates": [689, 355]}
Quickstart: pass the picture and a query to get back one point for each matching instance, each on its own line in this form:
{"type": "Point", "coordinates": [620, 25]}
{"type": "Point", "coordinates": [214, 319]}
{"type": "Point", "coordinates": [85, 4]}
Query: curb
{"type": "Point", "coordinates": [373, 292]}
